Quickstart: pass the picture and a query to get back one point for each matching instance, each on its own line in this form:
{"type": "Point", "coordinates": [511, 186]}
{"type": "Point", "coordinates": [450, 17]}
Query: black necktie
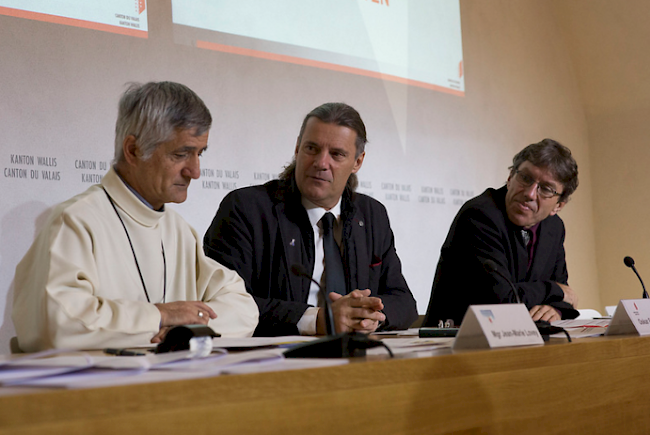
{"type": "Point", "coordinates": [334, 276]}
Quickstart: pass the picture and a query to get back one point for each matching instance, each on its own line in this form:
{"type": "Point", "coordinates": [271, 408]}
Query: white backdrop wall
{"type": "Point", "coordinates": [59, 87]}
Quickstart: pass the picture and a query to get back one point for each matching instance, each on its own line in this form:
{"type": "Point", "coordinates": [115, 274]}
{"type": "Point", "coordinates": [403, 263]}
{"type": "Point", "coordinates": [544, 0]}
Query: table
{"type": "Point", "coordinates": [598, 385]}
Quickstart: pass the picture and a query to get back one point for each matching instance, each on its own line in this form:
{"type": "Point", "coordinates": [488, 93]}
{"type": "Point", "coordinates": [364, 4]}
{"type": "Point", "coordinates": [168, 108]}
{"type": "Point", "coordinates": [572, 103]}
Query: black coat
{"type": "Point", "coordinates": [480, 231]}
{"type": "Point", "coordinates": [261, 231]}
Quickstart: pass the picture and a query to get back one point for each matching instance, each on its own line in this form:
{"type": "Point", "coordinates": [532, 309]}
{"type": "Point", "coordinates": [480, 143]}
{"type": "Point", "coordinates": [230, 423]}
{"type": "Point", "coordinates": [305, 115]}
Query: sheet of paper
{"type": "Point", "coordinates": [411, 332]}
{"type": "Point", "coordinates": [31, 366]}
{"type": "Point", "coordinates": [251, 342]}
{"type": "Point", "coordinates": [151, 360]}
{"type": "Point", "coordinates": [125, 370]}
{"type": "Point", "coordinates": [285, 364]}
{"type": "Point", "coordinates": [194, 364]}
{"type": "Point", "coordinates": [582, 328]}
{"type": "Point", "coordinates": [215, 364]}
{"type": "Point", "coordinates": [78, 379]}
{"type": "Point", "coordinates": [401, 345]}
{"type": "Point", "coordinates": [97, 378]}
{"type": "Point", "coordinates": [579, 323]}
{"type": "Point", "coordinates": [15, 359]}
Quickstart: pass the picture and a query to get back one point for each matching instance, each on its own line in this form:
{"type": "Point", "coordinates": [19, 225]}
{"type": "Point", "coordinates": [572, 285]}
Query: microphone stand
{"type": "Point", "coordinates": [545, 328]}
{"type": "Point", "coordinates": [629, 262]}
{"type": "Point", "coordinates": [341, 345]}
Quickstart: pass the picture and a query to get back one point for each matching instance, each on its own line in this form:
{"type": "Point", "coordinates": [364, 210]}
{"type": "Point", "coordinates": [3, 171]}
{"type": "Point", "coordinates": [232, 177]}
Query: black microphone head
{"type": "Point", "coordinates": [299, 270]}
{"type": "Point", "coordinates": [490, 266]}
{"type": "Point", "coordinates": [629, 261]}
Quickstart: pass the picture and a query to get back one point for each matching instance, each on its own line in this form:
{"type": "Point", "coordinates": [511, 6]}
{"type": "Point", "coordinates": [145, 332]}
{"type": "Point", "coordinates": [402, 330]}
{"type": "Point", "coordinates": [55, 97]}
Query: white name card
{"type": "Point", "coordinates": [501, 325]}
{"type": "Point", "coordinates": [632, 316]}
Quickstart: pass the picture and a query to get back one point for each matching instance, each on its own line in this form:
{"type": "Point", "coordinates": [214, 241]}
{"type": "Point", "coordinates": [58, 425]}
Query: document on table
{"type": "Point", "coordinates": [285, 364]}
{"type": "Point", "coordinates": [254, 361]}
{"type": "Point", "coordinates": [163, 367]}
{"type": "Point", "coordinates": [581, 328]}
{"type": "Point", "coordinates": [214, 364]}
{"type": "Point", "coordinates": [411, 332]}
{"type": "Point", "coordinates": [401, 345]}
{"type": "Point", "coordinates": [41, 364]}
{"type": "Point", "coordinates": [253, 342]}
{"type": "Point", "coordinates": [23, 370]}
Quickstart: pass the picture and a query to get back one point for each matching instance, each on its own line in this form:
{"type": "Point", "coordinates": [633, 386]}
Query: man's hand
{"type": "Point", "coordinates": [356, 311]}
{"type": "Point", "coordinates": [569, 295]}
{"type": "Point", "coordinates": [160, 336]}
{"type": "Point", "coordinates": [185, 313]}
{"type": "Point", "coordinates": [545, 312]}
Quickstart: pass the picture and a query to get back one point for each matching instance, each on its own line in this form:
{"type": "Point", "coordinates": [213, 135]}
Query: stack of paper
{"type": "Point", "coordinates": [581, 328]}
{"type": "Point", "coordinates": [69, 369]}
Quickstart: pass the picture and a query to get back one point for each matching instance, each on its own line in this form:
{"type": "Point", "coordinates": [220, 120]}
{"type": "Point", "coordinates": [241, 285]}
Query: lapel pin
{"type": "Point", "coordinates": [360, 223]}
{"type": "Point", "coordinates": [293, 242]}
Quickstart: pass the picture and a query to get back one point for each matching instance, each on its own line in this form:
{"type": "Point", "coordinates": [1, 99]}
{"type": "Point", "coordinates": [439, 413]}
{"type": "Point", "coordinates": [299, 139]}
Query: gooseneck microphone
{"type": "Point", "coordinates": [491, 267]}
{"type": "Point", "coordinates": [299, 270]}
{"type": "Point", "coordinates": [629, 262]}
{"type": "Point", "coordinates": [545, 328]}
{"type": "Point", "coordinates": [341, 345]}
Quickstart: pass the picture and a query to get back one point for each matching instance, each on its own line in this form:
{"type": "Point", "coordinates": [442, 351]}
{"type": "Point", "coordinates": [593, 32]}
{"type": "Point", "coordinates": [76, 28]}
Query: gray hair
{"type": "Point", "coordinates": [153, 112]}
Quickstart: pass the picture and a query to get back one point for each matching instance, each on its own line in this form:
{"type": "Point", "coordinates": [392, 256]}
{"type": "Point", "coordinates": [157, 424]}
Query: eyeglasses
{"type": "Point", "coordinates": [543, 190]}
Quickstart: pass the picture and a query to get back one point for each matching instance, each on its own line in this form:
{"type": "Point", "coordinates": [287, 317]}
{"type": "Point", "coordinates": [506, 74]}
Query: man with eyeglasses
{"type": "Point", "coordinates": [518, 228]}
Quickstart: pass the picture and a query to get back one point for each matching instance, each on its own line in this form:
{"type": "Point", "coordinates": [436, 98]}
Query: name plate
{"type": "Point", "coordinates": [632, 316]}
{"type": "Point", "coordinates": [500, 325]}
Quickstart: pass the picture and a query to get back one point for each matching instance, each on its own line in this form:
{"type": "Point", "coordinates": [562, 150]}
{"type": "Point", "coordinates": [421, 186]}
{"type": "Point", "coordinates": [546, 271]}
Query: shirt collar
{"type": "Point", "coordinates": [533, 229]}
{"type": "Point", "coordinates": [316, 213]}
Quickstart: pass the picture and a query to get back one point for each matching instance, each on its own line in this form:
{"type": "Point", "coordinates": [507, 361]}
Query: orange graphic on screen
{"type": "Point", "coordinates": [141, 6]}
{"type": "Point", "coordinates": [460, 69]}
{"type": "Point", "coordinates": [319, 64]}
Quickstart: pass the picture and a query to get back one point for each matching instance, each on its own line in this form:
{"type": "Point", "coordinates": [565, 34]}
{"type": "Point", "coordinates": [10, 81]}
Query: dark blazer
{"type": "Point", "coordinates": [482, 230]}
{"type": "Point", "coordinates": [261, 231]}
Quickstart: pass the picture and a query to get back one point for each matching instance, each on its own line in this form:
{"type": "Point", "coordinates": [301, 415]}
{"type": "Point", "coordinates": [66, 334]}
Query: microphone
{"type": "Point", "coordinates": [629, 262]}
{"type": "Point", "coordinates": [342, 345]}
{"type": "Point", "coordinates": [299, 270]}
{"type": "Point", "coordinates": [544, 327]}
{"type": "Point", "coordinates": [491, 267]}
